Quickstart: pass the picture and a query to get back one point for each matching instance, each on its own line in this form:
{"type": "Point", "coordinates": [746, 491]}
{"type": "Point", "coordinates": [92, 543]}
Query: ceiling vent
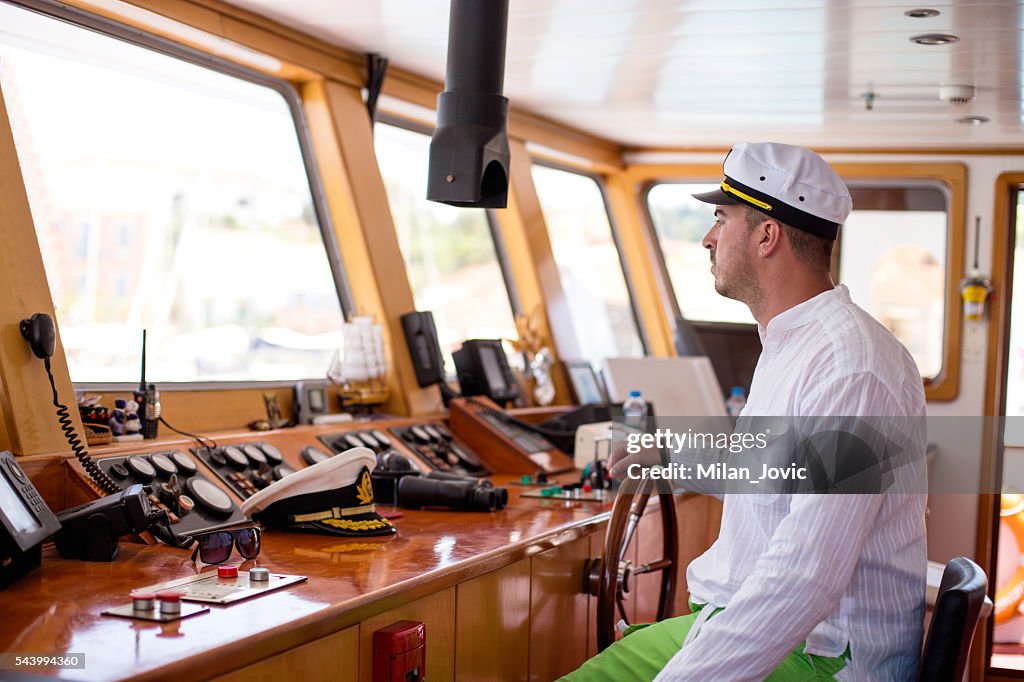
{"type": "Point", "coordinates": [957, 94]}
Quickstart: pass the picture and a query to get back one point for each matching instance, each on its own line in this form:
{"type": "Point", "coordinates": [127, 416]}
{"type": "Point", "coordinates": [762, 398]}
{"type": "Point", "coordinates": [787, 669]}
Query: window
{"type": "Point", "coordinates": [680, 223]}
{"type": "Point", "coordinates": [450, 253]}
{"type": "Point", "coordinates": [170, 197]}
{"type": "Point", "coordinates": [892, 256]}
{"type": "Point", "coordinates": [589, 265]}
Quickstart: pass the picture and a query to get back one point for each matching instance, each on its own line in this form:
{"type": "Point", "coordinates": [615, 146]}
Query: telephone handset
{"type": "Point", "coordinates": [25, 522]}
{"type": "Point", "coordinates": [41, 335]}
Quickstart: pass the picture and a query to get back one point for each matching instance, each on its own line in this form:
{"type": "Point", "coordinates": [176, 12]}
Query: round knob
{"type": "Point", "coordinates": [259, 575]}
{"type": "Point", "coordinates": [274, 455]}
{"type": "Point", "coordinates": [186, 465]}
{"type": "Point", "coordinates": [314, 455]}
{"type": "Point", "coordinates": [143, 601]}
{"type": "Point", "coordinates": [140, 468]}
{"type": "Point", "coordinates": [164, 466]}
{"type": "Point", "coordinates": [170, 602]}
{"type": "Point", "coordinates": [227, 571]}
{"type": "Point", "coordinates": [235, 457]}
{"type": "Point", "coordinates": [382, 439]}
{"type": "Point", "coordinates": [254, 453]}
{"type": "Point", "coordinates": [420, 434]}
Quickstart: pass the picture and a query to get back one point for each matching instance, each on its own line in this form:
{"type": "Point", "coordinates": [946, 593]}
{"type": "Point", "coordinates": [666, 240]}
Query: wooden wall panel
{"type": "Point", "coordinates": [26, 407]}
{"type": "Point", "coordinates": [638, 254]}
{"type": "Point", "coordinates": [358, 203]}
{"type": "Point", "coordinates": [558, 611]}
{"type": "Point", "coordinates": [532, 265]}
{"type": "Point", "coordinates": [334, 658]}
{"type": "Point", "coordinates": [437, 613]}
{"type": "Point", "coordinates": [492, 625]}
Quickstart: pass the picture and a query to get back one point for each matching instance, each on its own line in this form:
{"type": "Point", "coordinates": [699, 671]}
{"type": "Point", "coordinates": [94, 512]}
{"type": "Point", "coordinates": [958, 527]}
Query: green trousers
{"type": "Point", "coordinates": [644, 651]}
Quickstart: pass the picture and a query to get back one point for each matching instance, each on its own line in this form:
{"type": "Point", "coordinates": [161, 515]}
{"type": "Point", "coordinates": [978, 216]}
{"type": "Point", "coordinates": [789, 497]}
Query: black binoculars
{"type": "Point", "coordinates": [437, 489]}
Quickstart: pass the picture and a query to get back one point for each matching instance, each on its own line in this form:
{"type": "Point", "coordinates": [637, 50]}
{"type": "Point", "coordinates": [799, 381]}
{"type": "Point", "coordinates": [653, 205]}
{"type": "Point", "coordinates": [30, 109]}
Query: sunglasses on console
{"type": "Point", "coordinates": [214, 547]}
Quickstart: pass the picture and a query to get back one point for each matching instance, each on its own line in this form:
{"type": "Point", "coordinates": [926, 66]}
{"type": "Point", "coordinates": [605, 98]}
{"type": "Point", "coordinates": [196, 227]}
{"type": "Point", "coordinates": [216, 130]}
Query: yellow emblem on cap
{"type": "Point", "coordinates": [728, 189]}
{"type": "Point", "coordinates": [364, 491]}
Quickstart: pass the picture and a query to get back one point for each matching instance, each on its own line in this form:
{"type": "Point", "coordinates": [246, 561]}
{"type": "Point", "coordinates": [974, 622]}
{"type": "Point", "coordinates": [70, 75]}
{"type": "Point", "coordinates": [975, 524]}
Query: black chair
{"type": "Point", "coordinates": [957, 610]}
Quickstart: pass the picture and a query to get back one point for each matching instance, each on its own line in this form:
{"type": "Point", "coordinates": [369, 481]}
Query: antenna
{"type": "Point", "coordinates": [977, 236]}
{"type": "Point", "coordinates": [148, 399]}
{"type": "Point", "coordinates": [142, 381]}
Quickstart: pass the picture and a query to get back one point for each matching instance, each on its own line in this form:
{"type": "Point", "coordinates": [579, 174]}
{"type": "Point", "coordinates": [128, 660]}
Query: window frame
{"type": "Point", "coordinates": [150, 41]}
{"type": "Point", "coordinates": [599, 180]}
{"type": "Point", "coordinates": [950, 178]}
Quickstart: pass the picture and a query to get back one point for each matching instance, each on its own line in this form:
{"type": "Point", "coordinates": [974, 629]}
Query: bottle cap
{"type": "Point", "coordinates": [259, 575]}
{"type": "Point", "coordinates": [227, 571]}
{"type": "Point", "coordinates": [737, 390]}
{"type": "Point", "coordinates": [634, 394]}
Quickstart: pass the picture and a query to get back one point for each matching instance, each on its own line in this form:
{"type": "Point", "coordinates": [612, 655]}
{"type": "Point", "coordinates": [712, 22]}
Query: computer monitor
{"type": "Point", "coordinates": [677, 387]}
{"type": "Point", "coordinates": [483, 370]}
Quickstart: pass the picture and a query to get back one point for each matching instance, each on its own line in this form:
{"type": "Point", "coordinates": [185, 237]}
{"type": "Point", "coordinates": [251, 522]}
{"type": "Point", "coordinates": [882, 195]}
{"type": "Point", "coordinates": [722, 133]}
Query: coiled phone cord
{"type": "Point", "coordinates": [67, 426]}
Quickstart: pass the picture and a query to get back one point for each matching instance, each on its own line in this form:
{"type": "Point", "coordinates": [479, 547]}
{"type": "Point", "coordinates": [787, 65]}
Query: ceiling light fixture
{"type": "Point", "coordinates": [957, 94]}
{"type": "Point", "coordinates": [972, 120]}
{"type": "Point", "coordinates": [934, 39]}
{"type": "Point", "coordinates": [922, 13]}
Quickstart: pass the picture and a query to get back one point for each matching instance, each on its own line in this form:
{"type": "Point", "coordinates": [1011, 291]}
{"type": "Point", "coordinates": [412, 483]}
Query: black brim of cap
{"type": "Point", "coordinates": [717, 197]}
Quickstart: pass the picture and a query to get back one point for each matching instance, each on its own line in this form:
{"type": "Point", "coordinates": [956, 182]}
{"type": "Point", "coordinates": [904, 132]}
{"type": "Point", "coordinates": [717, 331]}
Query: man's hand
{"type": "Point", "coordinates": [622, 459]}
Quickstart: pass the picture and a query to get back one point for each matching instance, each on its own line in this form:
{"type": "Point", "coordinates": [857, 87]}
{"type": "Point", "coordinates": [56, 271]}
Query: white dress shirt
{"type": "Point", "coordinates": [834, 570]}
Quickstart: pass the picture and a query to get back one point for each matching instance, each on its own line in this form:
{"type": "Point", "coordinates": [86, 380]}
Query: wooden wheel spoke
{"type": "Point", "coordinates": [622, 610]}
{"type": "Point", "coordinates": [653, 567]}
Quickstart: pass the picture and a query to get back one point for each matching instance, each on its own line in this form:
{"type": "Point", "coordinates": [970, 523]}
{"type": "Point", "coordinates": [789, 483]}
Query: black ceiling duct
{"type": "Point", "coordinates": [469, 151]}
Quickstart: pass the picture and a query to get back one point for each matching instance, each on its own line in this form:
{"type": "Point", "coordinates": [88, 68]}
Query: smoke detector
{"type": "Point", "coordinates": [957, 94]}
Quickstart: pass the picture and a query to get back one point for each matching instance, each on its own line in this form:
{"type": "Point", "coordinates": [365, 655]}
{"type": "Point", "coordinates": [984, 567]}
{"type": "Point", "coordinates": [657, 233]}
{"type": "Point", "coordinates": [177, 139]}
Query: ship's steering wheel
{"type": "Point", "coordinates": [611, 577]}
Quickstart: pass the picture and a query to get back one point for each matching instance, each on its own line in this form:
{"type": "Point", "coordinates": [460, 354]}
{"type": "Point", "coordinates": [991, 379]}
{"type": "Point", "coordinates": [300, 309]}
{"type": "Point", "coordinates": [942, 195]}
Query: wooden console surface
{"type": "Point", "coordinates": [56, 608]}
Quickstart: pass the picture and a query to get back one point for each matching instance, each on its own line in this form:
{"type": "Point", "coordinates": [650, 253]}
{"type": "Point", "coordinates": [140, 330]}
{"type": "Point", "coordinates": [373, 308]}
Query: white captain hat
{"type": "Point", "coordinates": [791, 184]}
{"type": "Point", "coordinates": [334, 497]}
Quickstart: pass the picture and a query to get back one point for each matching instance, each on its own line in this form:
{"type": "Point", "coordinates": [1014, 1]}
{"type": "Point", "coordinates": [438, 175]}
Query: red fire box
{"type": "Point", "coordinates": [400, 652]}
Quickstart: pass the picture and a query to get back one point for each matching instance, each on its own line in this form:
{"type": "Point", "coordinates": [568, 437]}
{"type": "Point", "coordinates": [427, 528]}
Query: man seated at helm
{"type": "Point", "coordinates": [797, 586]}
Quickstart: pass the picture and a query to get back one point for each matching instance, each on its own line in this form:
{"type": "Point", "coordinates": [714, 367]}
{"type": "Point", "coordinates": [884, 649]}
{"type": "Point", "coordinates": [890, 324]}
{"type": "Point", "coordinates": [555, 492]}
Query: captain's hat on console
{"type": "Point", "coordinates": [333, 497]}
{"type": "Point", "coordinates": [791, 184]}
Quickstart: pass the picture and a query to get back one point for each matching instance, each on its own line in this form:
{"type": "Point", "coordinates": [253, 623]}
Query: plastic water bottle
{"type": "Point", "coordinates": [734, 405]}
{"type": "Point", "coordinates": [634, 410]}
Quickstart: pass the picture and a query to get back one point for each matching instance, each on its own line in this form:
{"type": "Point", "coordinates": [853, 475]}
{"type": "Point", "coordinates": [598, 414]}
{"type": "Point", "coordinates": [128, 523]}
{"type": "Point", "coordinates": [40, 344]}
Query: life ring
{"type": "Point", "coordinates": [1009, 597]}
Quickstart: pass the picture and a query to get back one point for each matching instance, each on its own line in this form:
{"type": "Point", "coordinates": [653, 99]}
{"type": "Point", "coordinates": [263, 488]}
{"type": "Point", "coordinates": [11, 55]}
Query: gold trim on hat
{"type": "Point", "coordinates": [334, 513]}
{"type": "Point", "coordinates": [746, 197]}
{"type": "Point", "coordinates": [349, 524]}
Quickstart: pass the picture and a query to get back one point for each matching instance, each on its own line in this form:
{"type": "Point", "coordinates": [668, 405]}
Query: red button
{"type": "Point", "coordinates": [169, 595]}
{"type": "Point", "coordinates": [142, 595]}
{"type": "Point", "coordinates": [227, 571]}
{"type": "Point", "coordinates": [587, 488]}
